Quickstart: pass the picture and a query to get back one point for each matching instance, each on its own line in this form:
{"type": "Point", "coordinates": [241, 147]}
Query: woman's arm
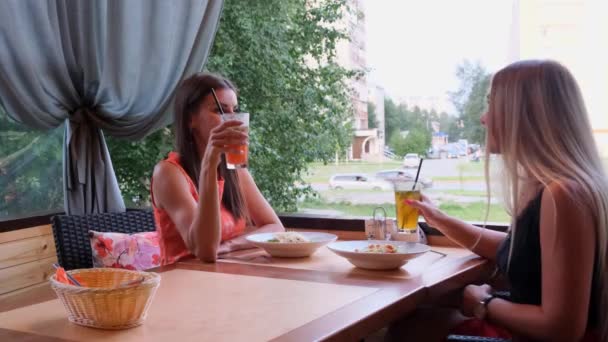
{"type": "Point", "coordinates": [464, 234]}
{"type": "Point", "coordinates": [171, 192]}
{"type": "Point", "coordinates": [567, 237]}
{"type": "Point", "coordinates": [199, 223]}
{"type": "Point", "coordinates": [260, 212]}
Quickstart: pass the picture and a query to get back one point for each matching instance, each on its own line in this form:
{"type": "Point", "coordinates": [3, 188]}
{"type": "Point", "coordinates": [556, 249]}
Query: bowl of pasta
{"type": "Point", "coordinates": [291, 244]}
{"type": "Point", "coordinates": [378, 255]}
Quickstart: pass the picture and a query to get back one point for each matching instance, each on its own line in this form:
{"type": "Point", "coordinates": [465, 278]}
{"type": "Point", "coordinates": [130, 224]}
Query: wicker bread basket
{"type": "Point", "coordinates": [106, 301]}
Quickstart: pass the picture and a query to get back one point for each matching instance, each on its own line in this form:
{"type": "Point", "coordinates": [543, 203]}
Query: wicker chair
{"type": "Point", "coordinates": [71, 233]}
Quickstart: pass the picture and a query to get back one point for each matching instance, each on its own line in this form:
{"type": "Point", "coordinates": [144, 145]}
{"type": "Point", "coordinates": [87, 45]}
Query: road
{"type": "Point", "coordinates": [443, 190]}
{"type": "Point", "coordinates": [437, 186]}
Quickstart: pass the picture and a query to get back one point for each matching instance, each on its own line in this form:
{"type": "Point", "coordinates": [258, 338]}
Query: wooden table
{"type": "Point", "coordinates": [248, 296]}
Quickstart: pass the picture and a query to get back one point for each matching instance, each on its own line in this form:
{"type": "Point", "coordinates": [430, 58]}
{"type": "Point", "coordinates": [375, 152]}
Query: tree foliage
{"type": "Point", "coordinates": [372, 121]}
{"type": "Point", "coordinates": [30, 169]}
{"type": "Point", "coordinates": [417, 141]}
{"type": "Point", "coordinates": [470, 100]}
{"type": "Point", "coordinates": [410, 129]}
{"type": "Point", "coordinates": [281, 55]}
{"type": "Point", "coordinates": [134, 162]}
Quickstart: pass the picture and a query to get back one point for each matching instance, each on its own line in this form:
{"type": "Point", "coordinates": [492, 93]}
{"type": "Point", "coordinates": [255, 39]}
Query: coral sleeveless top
{"type": "Point", "coordinates": [172, 246]}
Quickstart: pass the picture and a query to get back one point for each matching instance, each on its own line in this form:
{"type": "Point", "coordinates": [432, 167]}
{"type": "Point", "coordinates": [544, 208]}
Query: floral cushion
{"type": "Point", "coordinates": [138, 251]}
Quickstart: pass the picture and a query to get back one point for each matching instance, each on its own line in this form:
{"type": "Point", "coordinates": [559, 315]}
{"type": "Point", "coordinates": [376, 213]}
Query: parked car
{"type": "Point", "coordinates": [411, 160]}
{"type": "Point", "coordinates": [462, 152]}
{"type": "Point", "coordinates": [451, 151]}
{"type": "Point", "coordinates": [357, 181]}
{"type": "Point", "coordinates": [404, 176]}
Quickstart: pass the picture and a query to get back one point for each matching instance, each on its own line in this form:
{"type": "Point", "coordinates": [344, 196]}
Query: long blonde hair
{"type": "Point", "coordinates": [538, 123]}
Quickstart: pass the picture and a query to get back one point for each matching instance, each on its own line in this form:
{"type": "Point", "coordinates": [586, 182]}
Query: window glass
{"type": "Point", "coordinates": [31, 178]}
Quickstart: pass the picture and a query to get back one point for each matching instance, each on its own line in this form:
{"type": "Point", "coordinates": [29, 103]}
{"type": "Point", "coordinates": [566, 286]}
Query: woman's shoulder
{"type": "Point", "coordinates": [167, 166]}
{"type": "Point", "coordinates": [169, 172]}
{"type": "Point", "coordinates": [565, 191]}
{"type": "Point", "coordinates": [168, 177]}
{"type": "Point", "coordinates": [567, 200]}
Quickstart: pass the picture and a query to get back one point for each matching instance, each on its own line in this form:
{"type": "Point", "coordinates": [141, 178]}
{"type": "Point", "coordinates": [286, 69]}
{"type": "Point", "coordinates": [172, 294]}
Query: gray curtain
{"type": "Point", "coordinates": [109, 65]}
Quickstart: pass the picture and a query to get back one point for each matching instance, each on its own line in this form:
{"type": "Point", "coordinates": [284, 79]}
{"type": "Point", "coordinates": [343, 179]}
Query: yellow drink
{"type": "Point", "coordinates": [407, 216]}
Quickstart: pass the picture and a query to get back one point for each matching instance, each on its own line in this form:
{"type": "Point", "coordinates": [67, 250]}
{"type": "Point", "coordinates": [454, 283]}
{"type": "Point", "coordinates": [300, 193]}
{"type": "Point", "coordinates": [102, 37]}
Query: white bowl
{"type": "Point", "coordinates": [378, 261]}
{"type": "Point", "coordinates": [291, 250]}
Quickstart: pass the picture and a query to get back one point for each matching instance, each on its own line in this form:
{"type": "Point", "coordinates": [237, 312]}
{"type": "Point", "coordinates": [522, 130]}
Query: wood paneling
{"type": "Point", "coordinates": [26, 258]}
{"type": "Point", "coordinates": [28, 274]}
{"type": "Point", "coordinates": [25, 233]}
{"type": "Point", "coordinates": [26, 250]}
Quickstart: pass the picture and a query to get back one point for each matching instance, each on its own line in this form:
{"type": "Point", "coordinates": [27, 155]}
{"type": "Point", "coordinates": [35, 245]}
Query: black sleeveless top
{"type": "Point", "coordinates": [524, 273]}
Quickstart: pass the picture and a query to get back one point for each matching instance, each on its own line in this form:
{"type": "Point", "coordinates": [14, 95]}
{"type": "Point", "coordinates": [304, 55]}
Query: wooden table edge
{"type": "Point", "coordinates": [334, 325]}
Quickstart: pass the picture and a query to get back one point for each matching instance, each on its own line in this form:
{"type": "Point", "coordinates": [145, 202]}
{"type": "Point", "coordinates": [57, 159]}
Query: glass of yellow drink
{"type": "Point", "coordinates": [407, 216]}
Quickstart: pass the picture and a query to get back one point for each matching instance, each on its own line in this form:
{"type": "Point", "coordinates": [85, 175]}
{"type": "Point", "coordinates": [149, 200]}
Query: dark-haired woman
{"type": "Point", "coordinates": [202, 208]}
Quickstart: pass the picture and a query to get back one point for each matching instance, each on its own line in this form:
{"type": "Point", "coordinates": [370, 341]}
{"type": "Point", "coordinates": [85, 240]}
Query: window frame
{"type": "Point", "coordinates": [295, 220]}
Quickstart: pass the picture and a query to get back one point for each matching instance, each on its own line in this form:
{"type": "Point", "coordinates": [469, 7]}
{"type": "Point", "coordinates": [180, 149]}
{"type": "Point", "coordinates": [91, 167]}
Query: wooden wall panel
{"type": "Point", "coordinates": [28, 274]}
{"type": "Point", "coordinates": [26, 250]}
{"type": "Point", "coordinates": [25, 233]}
{"type": "Point", "coordinates": [26, 258]}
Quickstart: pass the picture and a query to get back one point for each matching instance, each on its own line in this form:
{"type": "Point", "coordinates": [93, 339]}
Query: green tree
{"type": "Point", "coordinates": [134, 162]}
{"type": "Point", "coordinates": [30, 169]}
{"type": "Point", "coordinates": [415, 121]}
{"type": "Point", "coordinates": [392, 117]}
{"type": "Point", "coordinates": [449, 124]}
{"type": "Point", "coordinates": [416, 141]}
{"type": "Point", "coordinates": [470, 100]}
{"type": "Point", "coordinates": [372, 121]}
{"type": "Point", "coordinates": [281, 55]}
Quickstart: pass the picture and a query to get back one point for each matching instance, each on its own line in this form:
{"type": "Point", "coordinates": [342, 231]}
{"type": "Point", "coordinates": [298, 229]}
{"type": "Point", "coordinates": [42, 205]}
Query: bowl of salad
{"type": "Point", "coordinates": [291, 244]}
{"type": "Point", "coordinates": [378, 255]}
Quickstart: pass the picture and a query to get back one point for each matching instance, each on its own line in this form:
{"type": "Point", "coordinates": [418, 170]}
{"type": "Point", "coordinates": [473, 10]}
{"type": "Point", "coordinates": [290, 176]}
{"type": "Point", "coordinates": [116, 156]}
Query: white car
{"type": "Point", "coordinates": [403, 176]}
{"type": "Point", "coordinates": [357, 181]}
{"type": "Point", "coordinates": [411, 160]}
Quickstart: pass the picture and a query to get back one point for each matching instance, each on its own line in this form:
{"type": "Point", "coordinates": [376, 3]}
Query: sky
{"type": "Point", "coordinates": [414, 46]}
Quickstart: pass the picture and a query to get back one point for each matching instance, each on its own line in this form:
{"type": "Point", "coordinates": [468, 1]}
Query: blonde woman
{"type": "Point", "coordinates": [554, 255]}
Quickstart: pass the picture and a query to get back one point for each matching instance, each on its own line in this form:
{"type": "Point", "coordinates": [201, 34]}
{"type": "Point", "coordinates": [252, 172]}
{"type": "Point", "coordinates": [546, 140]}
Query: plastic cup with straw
{"type": "Point", "coordinates": [217, 102]}
{"type": "Point", "coordinates": [236, 158]}
{"type": "Point", "coordinates": [407, 216]}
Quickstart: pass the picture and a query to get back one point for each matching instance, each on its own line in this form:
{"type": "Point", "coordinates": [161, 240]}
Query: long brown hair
{"type": "Point", "coordinates": [188, 98]}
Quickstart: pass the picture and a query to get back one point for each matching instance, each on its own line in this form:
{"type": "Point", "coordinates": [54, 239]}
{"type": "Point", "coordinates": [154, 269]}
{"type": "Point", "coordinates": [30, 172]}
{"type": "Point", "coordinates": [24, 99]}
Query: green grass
{"type": "Point", "coordinates": [468, 167]}
{"type": "Point", "coordinates": [348, 209]}
{"type": "Point", "coordinates": [475, 211]}
{"type": "Point", "coordinates": [319, 173]}
{"type": "Point", "coordinates": [457, 178]}
{"type": "Point", "coordinates": [473, 193]}
{"type": "Point", "coordinates": [468, 212]}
